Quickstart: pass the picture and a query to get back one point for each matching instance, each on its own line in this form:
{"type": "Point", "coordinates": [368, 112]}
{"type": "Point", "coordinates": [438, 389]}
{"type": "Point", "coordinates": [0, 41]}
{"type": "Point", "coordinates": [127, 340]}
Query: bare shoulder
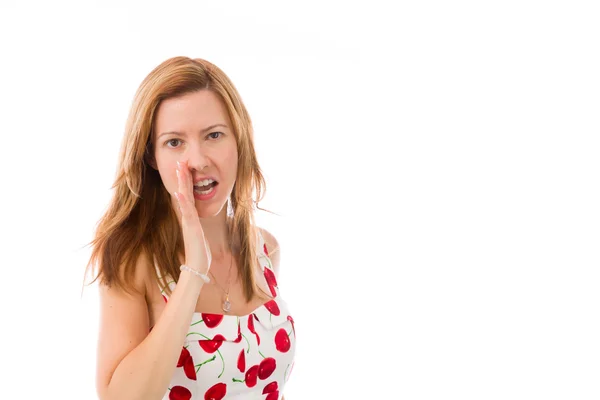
{"type": "Point", "coordinates": [124, 323]}
{"type": "Point", "coordinates": [272, 248]}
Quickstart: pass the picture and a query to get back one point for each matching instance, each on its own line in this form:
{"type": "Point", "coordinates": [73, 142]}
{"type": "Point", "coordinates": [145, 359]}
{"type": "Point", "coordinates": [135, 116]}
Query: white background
{"type": "Point", "coordinates": [434, 165]}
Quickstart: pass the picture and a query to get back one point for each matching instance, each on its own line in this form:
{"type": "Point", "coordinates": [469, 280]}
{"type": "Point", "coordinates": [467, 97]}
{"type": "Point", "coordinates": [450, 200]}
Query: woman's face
{"type": "Point", "coordinates": [196, 128]}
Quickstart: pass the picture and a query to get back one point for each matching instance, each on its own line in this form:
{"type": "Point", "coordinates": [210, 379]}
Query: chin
{"type": "Point", "coordinates": [210, 210]}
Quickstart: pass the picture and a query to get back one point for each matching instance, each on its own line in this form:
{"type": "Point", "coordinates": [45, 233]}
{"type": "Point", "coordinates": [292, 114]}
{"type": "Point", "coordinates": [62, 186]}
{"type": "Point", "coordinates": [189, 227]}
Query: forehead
{"type": "Point", "coordinates": [191, 111]}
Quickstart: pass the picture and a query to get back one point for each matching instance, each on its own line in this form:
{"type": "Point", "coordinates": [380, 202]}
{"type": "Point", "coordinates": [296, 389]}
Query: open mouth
{"type": "Point", "coordinates": [205, 189]}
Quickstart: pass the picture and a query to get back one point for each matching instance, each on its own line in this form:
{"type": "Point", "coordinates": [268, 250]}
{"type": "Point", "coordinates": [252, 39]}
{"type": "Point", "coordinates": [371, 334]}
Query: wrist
{"type": "Point", "coordinates": [195, 272]}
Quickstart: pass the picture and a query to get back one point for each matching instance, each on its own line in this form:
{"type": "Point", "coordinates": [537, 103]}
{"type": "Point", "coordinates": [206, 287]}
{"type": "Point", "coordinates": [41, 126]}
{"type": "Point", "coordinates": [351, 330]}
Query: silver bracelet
{"type": "Point", "coordinates": [204, 277]}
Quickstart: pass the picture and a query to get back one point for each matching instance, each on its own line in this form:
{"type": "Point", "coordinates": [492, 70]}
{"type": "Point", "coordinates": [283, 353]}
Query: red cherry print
{"type": "Point", "coordinates": [272, 306]}
{"type": "Point", "coordinates": [241, 364]}
{"type": "Point", "coordinates": [165, 298]}
{"type": "Point", "coordinates": [271, 387]}
{"type": "Point", "coordinates": [271, 281]}
{"type": "Point", "coordinates": [216, 392]}
{"type": "Point", "coordinates": [251, 323]}
{"type": "Point", "coordinates": [210, 346]}
{"type": "Point", "coordinates": [185, 354]}
{"type": "Point", "coordinates": [239, 337]}
{"type": "Point", "coordinates": [179, 393]}
{"type": "Point", "coordinates": [212, 320]}
{"type": "Point", "coordinates": [186, 361]}
{"type": "Point", "coordinates": [273, 395]}
{"type": "Point", "coordinates": [251, 376]}
{"type": "Point", "coordinates": [265, 249]}
{"type": "Point", "coordinates": [282, 341]}
{"type": "Point", "coordinates": [189, 369]}
{"type": "Point", "coordinates": [266, 368]}
{"type": "Point", "coordinates": [270, 277]}
{"type": "Point", "coordinates": [251, 327]}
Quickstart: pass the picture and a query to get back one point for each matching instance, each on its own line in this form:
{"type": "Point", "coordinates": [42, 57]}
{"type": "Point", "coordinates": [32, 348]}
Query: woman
{"type": "Point", "coordinates": [190, 307]}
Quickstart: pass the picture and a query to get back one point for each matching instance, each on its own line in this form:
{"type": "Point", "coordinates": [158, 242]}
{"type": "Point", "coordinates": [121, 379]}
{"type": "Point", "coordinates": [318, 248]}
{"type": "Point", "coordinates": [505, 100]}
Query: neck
{"type": "Point", "coordinates": [216, 232]}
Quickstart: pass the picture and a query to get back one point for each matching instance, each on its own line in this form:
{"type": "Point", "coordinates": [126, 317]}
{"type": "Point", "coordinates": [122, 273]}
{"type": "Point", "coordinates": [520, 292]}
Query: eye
{"type": "Point", "coordinates": [220, 133]}
{"type": "Point", "coordinates": [170, 141]}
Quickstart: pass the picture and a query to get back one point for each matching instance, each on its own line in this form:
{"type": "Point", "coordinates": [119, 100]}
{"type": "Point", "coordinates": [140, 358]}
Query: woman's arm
{"type": "Point", "coordinates": [132, 363]}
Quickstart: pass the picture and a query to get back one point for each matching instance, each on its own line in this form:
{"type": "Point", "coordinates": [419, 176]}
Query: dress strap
{"type": "Point", "coordinates": [265, 264]}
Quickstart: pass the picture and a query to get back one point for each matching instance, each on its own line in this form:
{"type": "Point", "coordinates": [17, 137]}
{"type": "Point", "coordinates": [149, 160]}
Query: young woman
{"type": "Point", "coordinates": [190, 306]}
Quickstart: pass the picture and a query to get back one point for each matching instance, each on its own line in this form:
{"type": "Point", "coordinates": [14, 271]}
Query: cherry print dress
{"type": "Point", "coordinates": [237, 358]}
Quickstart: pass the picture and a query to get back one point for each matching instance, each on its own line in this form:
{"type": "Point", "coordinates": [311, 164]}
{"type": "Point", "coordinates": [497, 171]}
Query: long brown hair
{"type": "Point", "coordinates": [140, 220]}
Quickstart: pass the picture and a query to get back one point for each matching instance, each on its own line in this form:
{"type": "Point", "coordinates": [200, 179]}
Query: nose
{"type": "Point", "coordinates": [196, 158]}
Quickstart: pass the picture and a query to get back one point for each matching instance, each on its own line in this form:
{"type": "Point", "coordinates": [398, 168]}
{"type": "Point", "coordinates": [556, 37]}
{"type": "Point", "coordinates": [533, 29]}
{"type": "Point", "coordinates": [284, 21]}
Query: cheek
{"type": "Point", "coordinates": [167, 174]}
{"type": "Point", "coordinates": [232, 162]}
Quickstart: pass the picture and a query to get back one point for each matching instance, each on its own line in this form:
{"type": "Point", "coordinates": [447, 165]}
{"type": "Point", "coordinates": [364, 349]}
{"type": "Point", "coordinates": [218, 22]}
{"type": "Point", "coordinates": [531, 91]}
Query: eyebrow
{"type": "Point", "coordinates": [202, 131]}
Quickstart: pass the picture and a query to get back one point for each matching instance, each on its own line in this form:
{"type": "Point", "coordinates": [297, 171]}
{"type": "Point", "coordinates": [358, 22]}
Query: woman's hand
{"type": "Point", "coordinates": [197, 250]}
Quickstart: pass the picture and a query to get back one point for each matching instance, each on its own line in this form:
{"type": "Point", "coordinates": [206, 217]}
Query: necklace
{"type": "Point", "coordinates": [226, 302]}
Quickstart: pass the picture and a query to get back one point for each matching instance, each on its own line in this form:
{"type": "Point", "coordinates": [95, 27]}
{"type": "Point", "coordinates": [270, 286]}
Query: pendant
{"type": "Point", "coordinates": [226, 305]}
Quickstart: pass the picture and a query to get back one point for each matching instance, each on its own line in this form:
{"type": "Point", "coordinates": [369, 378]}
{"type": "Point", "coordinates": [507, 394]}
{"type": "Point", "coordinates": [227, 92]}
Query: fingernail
{"type": "Point", "coordinates": [178, 164]}
{"type": "Point", "coordinates": [177, 172]}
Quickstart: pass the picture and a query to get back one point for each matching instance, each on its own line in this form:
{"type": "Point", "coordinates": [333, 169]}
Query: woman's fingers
{"type": "Point", "coordinates": [197, 251]}
{"type": "Point", "coordinates": [188, 184]}
{"type": "Point", "coordinates": [184, 193]}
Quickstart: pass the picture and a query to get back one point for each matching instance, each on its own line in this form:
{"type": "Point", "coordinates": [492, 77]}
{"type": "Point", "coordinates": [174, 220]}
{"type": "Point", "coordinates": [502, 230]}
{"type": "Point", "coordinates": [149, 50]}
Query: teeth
{"type": "Point", "coordinates": [204, 191]}
{"type": "Point", "coordinates": [204, 183]}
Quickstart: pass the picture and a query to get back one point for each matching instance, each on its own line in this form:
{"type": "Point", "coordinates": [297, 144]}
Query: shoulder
{"type": "Point", "coordinates": [270, 241]}
{"type": "Point", "coordinates": [132, 281]}
{"type": "Point", "coordinates": [273, 249]}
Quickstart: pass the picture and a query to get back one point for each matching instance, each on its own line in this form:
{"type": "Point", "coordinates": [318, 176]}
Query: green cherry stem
{"type": "Point", "coordinates": [163, 290]}
{"type": "Point", "coordinates": [261, 354]}
{"type": "Point", "coordinates": [196, 323]}
{"type": "Point", "coordinates": [196, 333]}
{"type": "Point", "coordinates": [269, 261]}
{"type": "Point", "coordinates": [202, 363]}
{"type": "Point", "coordinates": [247, 342]}
{"type": "Point", "coordinates": [237, 380]}
{"type": "Point", "coordinates": [223, 362]}
{"type": "Point", "coordinates": [168, 283]}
